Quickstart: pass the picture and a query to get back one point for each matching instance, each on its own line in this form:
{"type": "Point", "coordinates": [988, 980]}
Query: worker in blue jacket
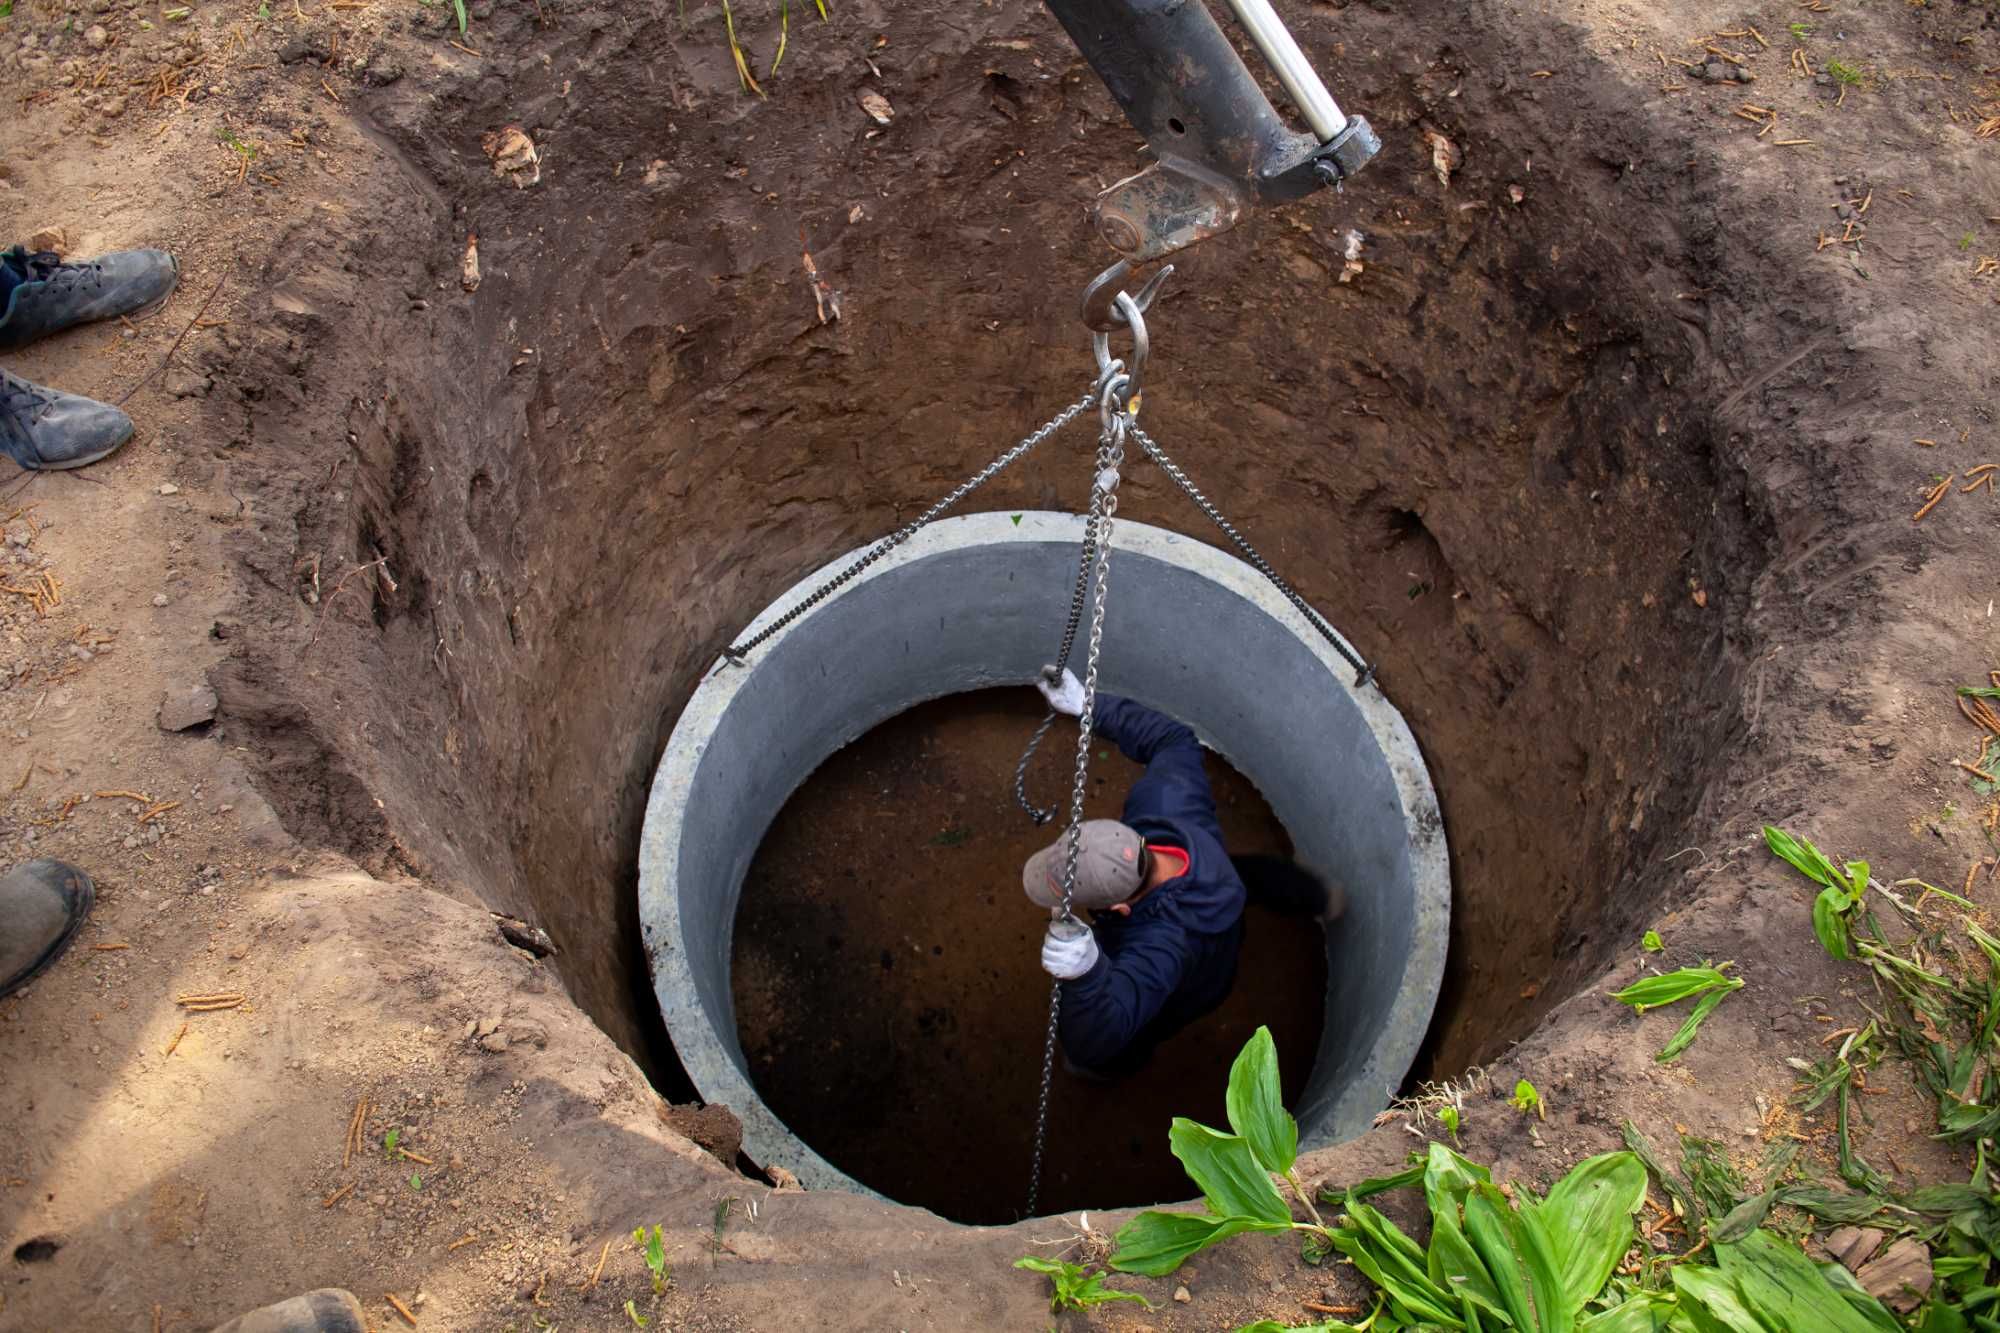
{"type": "Point", "coordinates": [1165, 899]}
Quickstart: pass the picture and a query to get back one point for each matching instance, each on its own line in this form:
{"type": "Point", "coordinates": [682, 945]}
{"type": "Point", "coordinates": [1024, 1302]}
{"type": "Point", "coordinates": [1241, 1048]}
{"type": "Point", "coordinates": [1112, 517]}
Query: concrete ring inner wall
{"type": "Point", "coordinates": [980, 601]}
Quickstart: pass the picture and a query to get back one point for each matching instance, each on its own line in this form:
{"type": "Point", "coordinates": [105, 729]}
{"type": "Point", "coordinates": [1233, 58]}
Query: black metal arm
{"type": "Point", "coordinates": [1219, 147]}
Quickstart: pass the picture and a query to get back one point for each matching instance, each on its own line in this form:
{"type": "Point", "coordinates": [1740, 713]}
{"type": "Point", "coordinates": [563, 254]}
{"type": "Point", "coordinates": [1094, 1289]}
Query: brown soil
{"type": "Point", "coordinates": [888, 990]}
{"type": "Point", "coordinates": [1615, 480]}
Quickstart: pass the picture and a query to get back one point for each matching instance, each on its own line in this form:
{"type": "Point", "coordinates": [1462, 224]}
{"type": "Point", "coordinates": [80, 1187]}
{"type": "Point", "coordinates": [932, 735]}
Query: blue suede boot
{"type": "Point", "coordinates": [40, 295]}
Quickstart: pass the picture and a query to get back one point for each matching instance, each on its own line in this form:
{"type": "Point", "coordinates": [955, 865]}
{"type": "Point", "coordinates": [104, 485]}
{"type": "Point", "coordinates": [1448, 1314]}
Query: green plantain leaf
{"type": "Point", "coordinates": [1257, 1107]}
{"type": "Point", "coordinates": [1670, 987]}
{"type": "Point", "coordinates": [1155, 1243]}
{"type": "Point", "coordinates": [1392, 1261]}
{"type": "Point", "coordinates": [1829, 925]}
{"type": "Point", "coordinates": [1514, 1244]}
{"type": "Point", "coordinates": [1807, 859]}
{"type": "Point", "coordinates": [1641, 1314]}
{"type": "Point", "coordinates": [1231, 1179]}
{"type": "Point", "coordinates": [1705, 1006]}
{"type": "Point", "coordinates": [1710, 1302]}
{"type": "Point", "coordinates": [1588, 1217]}
{"type": "Point", "coordinates": [1786, 1289]}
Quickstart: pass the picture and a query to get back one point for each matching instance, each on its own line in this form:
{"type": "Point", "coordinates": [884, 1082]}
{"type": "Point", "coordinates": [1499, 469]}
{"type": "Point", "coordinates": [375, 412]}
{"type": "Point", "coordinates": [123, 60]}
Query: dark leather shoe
{"type": "Point", "coordinates": [328, 1310]}
{"type": "Point", "coordinates": [42, 904]}
{"type": "Point", "coordinates": [47, 428]}
{"type": "Point", "coordinates": [50, 296]}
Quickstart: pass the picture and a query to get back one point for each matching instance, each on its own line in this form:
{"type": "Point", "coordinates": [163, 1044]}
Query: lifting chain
{"type": "Point", "coordinates": [1117, 399]}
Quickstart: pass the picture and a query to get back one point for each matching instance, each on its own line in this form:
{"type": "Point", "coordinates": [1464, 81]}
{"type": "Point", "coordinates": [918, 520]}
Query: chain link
{"type": "Point", "coordinates": [737, 652]}
{"type": "Point", "coordinates": [1364, 674]}
{"type": "Point", "coordinates": [1103, 504]}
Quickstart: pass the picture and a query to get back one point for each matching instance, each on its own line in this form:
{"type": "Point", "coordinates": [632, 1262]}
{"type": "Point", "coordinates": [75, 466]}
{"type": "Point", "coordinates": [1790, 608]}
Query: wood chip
{"type": "Point", "coordinates": [1943, 489]}
{"type": "Point", "coordinates": [415, 1156]}
{"type": "Point", "coordinates": [1928, 444]}
{"type": "Point", "coordinates": [401, 1308]}
{"type": "Point", "coordinates": [138, 796]}
{"type": "Point", "coordinates": [471, 1236]}
{"type": "Point", "coordinates": [356, 1126]}
{"type": "Point", "coordinates": [339, 1194]}
{"type": "Point", "coordinates": [1789, 143]}
{"type": "Point", "coordinates": [203, 1004]}
{"type": "Point", "coordinates": [175, 1043]}
{"type": "Point", "coordinates": [110, 948]}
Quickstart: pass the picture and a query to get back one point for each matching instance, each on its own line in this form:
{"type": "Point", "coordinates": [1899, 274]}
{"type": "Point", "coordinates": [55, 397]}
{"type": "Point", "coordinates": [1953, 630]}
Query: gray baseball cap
{"type": "Point", "coordinates": [1107, 866]}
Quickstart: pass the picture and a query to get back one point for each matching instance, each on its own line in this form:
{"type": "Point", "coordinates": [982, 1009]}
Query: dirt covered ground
{"type": "Point", "coordinates": [1610, 453]}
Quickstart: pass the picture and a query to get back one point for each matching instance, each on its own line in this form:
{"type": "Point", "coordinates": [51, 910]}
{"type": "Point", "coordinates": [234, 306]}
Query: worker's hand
{"type": "Point", "coordinates": [1069, 950]}
{"type": "Point", "coordinates": [1064, 695]}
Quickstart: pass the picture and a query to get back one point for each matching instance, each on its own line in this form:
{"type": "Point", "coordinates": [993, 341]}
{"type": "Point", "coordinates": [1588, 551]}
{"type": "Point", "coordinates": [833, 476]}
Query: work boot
{"type": "Point", "coordinates": [45, 295]}
{"type": "Point", "coordinates": [46, 428]}
{"type": "Point", "coordinates": [328, 1310]}
{"type": "Point", "coordinates": [42, 905]}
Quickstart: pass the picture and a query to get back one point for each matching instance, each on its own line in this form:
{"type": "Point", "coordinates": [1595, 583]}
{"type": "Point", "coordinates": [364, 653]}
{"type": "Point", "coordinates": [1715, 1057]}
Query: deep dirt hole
{"type": "Point", "coordinates": [1488, 461]}
{"type": "Point", "coordinates": [886, 983]}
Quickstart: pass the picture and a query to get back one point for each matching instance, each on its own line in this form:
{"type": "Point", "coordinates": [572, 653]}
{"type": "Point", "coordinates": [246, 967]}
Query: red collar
{"type": "Point", "coordinates": [1172, 853]}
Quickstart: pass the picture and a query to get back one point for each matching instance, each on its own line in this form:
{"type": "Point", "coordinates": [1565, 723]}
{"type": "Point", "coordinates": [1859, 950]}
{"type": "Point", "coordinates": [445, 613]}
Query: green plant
{"type": "Point", "coordinates": [952, 837]}
{"type": "Point", "coordinates": [1844, 72]}
{"type": "Point", "coordinates": [1075, 1286]}
{"type": "Point", "coordinates": [389, 1142]}
{"type": "Point", "coordinates": [1234, 1173]}
{"type": "Point", "coordinates": [1965, 241]}
{"type": "Point", "coordinates": [458, 12]}
{"type": "Point", "coordinates": [416, 1181]}
{"type": "Point", "coordinates": [6, 9]}
{"type": "Point", "coordinates": [1651, 942]}
{"type": "Point", "coordinates": [1800, 30]}
{"type": "Point", "coordinates": [1451, 1118]}
{"type": "Point", "coordinates": [176, 15]}
{"type": "Point", "coordinates": [1527, 1098]}
{"type": "Point", "coordinates": [654, 1249]}
{"type": "Point", "coordinates": [1532, 1263]}
{"type": "Point", "coordinates": [632, 1313]}
{"type": "Point", "coordinates": [264, 11]}
{"type": "Point", "coordinates": [743, 73]}
{"type": "Point", "coordinates": [1680, 984]}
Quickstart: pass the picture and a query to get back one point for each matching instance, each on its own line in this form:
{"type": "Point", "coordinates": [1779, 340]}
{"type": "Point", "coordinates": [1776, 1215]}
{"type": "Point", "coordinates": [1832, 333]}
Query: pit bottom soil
{"type": "Point", "coordinates": [888, 987]}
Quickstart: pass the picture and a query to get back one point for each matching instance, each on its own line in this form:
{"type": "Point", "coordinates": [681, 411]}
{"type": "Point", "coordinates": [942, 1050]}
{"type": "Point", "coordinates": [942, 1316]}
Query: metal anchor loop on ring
{"type": "Point", "coordinates": [1142, 346]}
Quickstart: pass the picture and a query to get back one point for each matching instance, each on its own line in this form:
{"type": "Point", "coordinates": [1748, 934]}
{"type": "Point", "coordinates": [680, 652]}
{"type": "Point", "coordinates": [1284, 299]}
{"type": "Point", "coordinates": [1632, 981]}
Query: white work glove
{"type": "Point", "coordinates": [1066, 695]}
{"type": "Point", "coordinates": [1069, 950]}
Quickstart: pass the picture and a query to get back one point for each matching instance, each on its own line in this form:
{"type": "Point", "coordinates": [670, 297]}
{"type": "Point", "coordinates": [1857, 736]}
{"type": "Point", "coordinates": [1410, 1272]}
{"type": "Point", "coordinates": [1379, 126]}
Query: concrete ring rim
{"type": "Point", "coordinates": [705, 1052]}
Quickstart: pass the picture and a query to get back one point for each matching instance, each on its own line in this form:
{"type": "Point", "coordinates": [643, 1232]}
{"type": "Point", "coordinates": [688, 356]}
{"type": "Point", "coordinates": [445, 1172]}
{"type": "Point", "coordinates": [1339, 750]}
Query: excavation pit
{"type": "Point", "coordinates": [979, 602]}
{"type": "Point", "coordinates": [1499, 459]}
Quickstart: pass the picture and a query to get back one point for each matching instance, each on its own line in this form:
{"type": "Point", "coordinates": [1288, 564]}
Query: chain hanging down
{"type": "Point", "coordinates": [1118, 394]}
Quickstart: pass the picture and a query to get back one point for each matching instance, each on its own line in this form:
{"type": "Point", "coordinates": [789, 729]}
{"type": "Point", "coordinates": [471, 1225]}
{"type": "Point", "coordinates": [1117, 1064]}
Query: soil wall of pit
{"type": "Point", "coordinates": [1491, 457]}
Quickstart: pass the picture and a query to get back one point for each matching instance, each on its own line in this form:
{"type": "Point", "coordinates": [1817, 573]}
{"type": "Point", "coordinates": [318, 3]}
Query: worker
{"type": "Point", "coordinates": [1165, 897]}
{"type": "Point", "coordinates": [40, 295]}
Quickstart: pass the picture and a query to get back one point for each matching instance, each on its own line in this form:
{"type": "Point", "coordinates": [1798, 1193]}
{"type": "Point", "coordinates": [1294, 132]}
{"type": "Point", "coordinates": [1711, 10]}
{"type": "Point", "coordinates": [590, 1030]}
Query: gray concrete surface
{"type": "Point", "coordinates": [980, 601]}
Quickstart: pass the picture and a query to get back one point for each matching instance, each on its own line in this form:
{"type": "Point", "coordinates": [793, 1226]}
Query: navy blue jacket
{"type": "Point", "coordinates": [1174, 958]}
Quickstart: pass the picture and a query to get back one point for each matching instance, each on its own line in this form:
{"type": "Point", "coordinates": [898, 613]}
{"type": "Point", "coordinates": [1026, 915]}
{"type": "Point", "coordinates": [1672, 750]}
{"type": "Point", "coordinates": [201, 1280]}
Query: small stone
{"type": "Point", "coordinates": [112, 108]}
{"type": "Point", "coordinates": [1823, 80]}
{"type": "Point", "coordinates": [186, 708]}
{"type": "Point", "coordinates": [168, 488]}
{"type": "Point", "coordinates": [495, 1042]}
{"type": "Point", "coordinates": [488, 1025]}
{"type": "Point", "coordinates": [159, 599]}
{"type": "Point", "coordinates": [80, 653]}
{"type": "Point", "coordinates": [471, 1029]}
{"type": "Point", "coordinates": [1181, 1295]}
{"type": "Point", "coordinates": [50, 240]}
{"type": "Point", "coordinates": [96, 38]}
